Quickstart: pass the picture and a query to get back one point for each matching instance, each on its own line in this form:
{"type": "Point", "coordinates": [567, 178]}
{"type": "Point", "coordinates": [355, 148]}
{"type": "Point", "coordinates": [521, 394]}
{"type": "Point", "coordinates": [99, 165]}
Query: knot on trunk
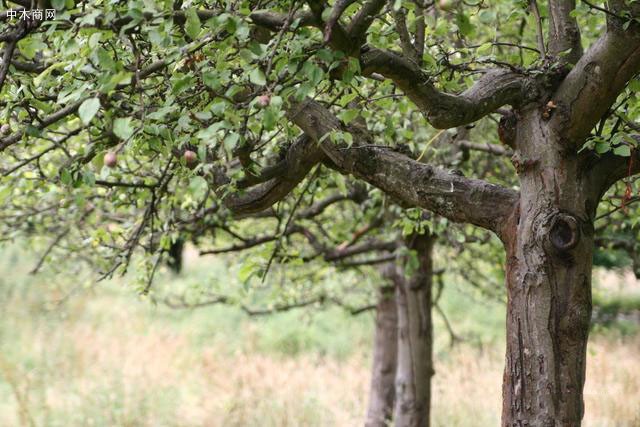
{"type": "Point", "coordinates": [565, 232]}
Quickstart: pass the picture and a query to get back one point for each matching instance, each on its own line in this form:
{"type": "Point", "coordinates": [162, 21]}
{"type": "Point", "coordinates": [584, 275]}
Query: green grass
{"type": "Point", "coordinates": [108, 357]}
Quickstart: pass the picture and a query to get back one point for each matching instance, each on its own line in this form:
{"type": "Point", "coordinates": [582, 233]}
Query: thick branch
{"type": "Point", "coordinates": [493, 90]}
{"type": "Point", "coordinates": [275, 21]}
{"type": "Point", "coordinates": [301, 157]}
{"type": "Point", "coordinates": [496, 149]}
{"type": "Point", "coordinates": [336, 12]}
{"type": "Point", "coordinates": [49, 120]}
{"type": "Point", "coordinates": [594, 83]}
{"type": "Point", "coordinates": [448, 194]}
{"type": "Point", "coordinates": [604, 171]}
{"type": "Point", "coordinates": [564, 34]}
{"type": "Point", "coordinates": [363, 19]}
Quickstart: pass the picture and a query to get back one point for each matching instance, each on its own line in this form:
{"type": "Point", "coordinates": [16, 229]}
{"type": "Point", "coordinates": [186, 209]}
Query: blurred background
{"type": "Point", "coordinates": [76, 353]}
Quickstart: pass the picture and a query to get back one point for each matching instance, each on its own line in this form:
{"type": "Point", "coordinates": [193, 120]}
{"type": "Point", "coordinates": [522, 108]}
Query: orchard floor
{"type": "Point", "coordinates": [107, 358]}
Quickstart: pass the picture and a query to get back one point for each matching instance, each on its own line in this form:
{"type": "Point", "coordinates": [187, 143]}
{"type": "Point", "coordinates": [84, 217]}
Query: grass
{"type": "Point", "coordinates": [108, 358]}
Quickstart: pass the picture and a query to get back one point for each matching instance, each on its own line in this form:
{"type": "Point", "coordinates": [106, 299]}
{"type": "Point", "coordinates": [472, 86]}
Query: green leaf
{"type": "Point", "coordinates": [88, 110]}
{"type": "Point", "coordinates": [45, 74]}
{"type": "Point", "coordinates": [104, 59]}
{"type": "Point", "coordinates": [58, 4]}
{"type": "Point", "coordinates": [123, 128]}
{"type": "Point", "coordinates": [4, 193]}
{"type": "Point", "coordinates": [231, 141]}
{"type": "Point", "coordinates": [94, 40]}
{"type": "Point", "coordinates": [182, 84]}
{"type": "Point", "coordinates": [198, 186]}
{"type": "Point", "coordinates": [348, 115]}
{"type": "Point", "coordinates": [484, 49]}
{"type": "Point", "coordinates": [65, 177]}
{"type": "Point", "coordinates": [211, 79]}
{"type": "Point", "coordinates": [247, 270]}
{"type": "Point", "coordinates": [89, 178]}
{"type": "Point", "coordinates": [622, 150]}
{"type": "Point", "coordinates": [464, 24]}
{"type": "Point", "coordinates": [29, 46]}
{"type": "Point", "coordinates": [602, 147]}
{"type": "Point", "coordinates": [353, 68]}
{"type": "Point", "coordinates": [257, 77]}
{"type": "Point", "coordinates": [192, 26]}
{"type": "Point", "coordinates": [270, 119]}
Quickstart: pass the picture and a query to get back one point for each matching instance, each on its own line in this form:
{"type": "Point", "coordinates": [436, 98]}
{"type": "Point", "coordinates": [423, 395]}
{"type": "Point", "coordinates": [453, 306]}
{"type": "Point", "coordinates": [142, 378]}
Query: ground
{"type": "Point", "coordinates": [105, 357]}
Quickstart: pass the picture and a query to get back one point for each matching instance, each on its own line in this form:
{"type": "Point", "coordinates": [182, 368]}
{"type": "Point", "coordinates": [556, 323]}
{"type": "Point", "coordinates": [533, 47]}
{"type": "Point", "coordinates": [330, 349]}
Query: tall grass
{"type": "Point", "coordinates": [106, 358]}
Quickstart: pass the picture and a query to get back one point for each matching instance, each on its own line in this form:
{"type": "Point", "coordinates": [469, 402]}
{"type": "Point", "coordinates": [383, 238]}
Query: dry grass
{"type": "Point", "coordinates": [127, 370]}
{"type": "Point", "coordinates": [468, 385]}
{"type": "Point", "coordinates": [106, 360]}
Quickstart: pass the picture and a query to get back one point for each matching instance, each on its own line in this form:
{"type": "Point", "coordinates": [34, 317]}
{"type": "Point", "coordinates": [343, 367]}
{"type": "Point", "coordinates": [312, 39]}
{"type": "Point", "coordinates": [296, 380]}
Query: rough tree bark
{"type": "Point", "coordinates": [415, 337]}
{"type": "Point", "coordinates": [385, 354]}
{"type": "Point", "coordinates": [548, 241]}
{"type": "Point", "coordinates": [549, 237]}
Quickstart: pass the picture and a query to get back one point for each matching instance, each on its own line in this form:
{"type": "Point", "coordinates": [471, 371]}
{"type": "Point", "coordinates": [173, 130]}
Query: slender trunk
{"type": "Point", "coordinates": [385, 352]}
{"type": "Point", "coordinates": [549, 243]}
{"type": "Point", "coordinates": [415, 338]}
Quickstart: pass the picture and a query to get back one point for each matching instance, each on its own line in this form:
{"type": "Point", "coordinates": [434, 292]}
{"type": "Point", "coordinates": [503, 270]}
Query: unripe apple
{"type": "Point", "coordinates": [190, 158]}
{"type": "Point", "coordinates": [5, 129]}
{"type": "Point", "coordinates": [110, 159]}
{"type": "Point", "coordinates": [264, 101]}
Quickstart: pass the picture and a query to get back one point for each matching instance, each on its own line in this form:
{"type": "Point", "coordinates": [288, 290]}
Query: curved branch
{"type": "Point", "coordinates": [301, 157]}
{"type": "Point", "coordinates": [448, 194]}
{"type": "Point", "coordinates": [493, 90]}
{"type": "Point", "coordinates": [595, 82]}
{"type": "Point", "coordinates": [363, 20]}
{"type": "Point", "coordinates": [275, 21]}
{"type": "Point", "coordinates": [336, 12]}
{"type": "Point", "coordinates": [605, 170]}
{"type": "Point", "coordinates": [400, 17]}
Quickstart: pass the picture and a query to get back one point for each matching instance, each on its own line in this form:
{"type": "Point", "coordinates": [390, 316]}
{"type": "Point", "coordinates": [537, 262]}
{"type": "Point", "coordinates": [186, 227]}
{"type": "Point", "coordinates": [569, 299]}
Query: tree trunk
{"type": "Point", "coordinates": [549, 243]}
{"type": "Point", "coordinates": [415, 338]}
{"type": "Point", "coordinates": [385, 353]}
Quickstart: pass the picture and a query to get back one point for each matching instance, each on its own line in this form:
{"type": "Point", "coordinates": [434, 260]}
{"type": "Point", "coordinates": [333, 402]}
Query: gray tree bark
{"type": "Point", "coordinates": [385, 355]}
{"type": "Point", "coordinates": [549, 243]}
{"type": "Point", "coordinates": [415, 338]}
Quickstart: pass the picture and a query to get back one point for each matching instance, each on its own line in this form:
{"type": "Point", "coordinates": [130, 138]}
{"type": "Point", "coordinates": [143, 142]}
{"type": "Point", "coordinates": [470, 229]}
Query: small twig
{"type": "Point", "coordinates": [125, 184]}
{"type": "Point", "coordinates": [617, 208]}
{"type": "Point", "coordinates": [146, 289]}
{"type": "Point", "coordinates": [601, 9]}
{"type": "Point", "coordinates": [286, 226]}
{"type": "Point", "coordinates": [452, 335]}
{"type": "Point", "coordinates": [46, 253]}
